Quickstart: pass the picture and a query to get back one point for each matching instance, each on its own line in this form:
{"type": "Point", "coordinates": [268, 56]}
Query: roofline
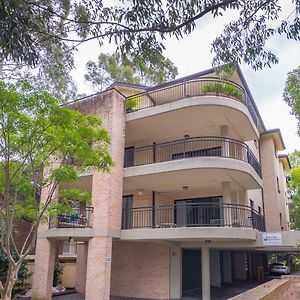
{"type": "Point", "coordinates": [287, 158]}
{"type": "Point", "coordinates": [276, 130]}
{"type": "Point", "coordinates": [178, 80]}
{"type": "Point", "coordinates": [239, 70]}
{"type": "Point", "coordinates": [93, 95]}
{"type": "Point", "coordinates": [126, 84]}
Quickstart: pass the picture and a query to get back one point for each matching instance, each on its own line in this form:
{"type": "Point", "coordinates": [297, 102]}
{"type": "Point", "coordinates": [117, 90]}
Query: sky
{"type": "Point", "coordinates": [193, 54]}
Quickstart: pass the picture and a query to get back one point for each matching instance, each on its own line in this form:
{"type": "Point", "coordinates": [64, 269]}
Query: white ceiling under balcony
{"type": "Point", "coordinates": [196, 116]}
{"type": "Point", "coordinates": [199, 174]}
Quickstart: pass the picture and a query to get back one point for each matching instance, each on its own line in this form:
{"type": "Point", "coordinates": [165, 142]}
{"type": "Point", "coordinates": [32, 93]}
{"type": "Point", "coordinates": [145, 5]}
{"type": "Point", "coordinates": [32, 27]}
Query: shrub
{"type": "Point", "coordinates": [58, 270]}
{"type": "Point", "coordinates": [224, 88]}
{"type": "Point", "coordinates": [23, 275]}
{"type": "Point", "coordinates": [132, 103]}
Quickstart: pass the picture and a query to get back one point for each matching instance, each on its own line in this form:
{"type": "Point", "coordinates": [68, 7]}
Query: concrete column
{"type": "Point", "coordinates": [44, 269]}
{"type": "Point", "coordinates": [225, 146]}
{"type": "Point", "coordinates": [175, 273]}
{"type": "Point", "coordinates": [227, 200]}
{"type": "Point", "coordinates": [81, 264]}
{"type": "Point", "coordinates": [98, 268]}
{"type": "Point", "coordinates": [205, 273]}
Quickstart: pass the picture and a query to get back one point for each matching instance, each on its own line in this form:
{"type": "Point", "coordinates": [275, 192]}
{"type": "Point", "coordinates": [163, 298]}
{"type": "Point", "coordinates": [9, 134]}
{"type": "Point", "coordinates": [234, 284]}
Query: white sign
{"type": "Point", "coordinates": [108, 259]}
{"type": "Point", "coordinates": [272, 239]}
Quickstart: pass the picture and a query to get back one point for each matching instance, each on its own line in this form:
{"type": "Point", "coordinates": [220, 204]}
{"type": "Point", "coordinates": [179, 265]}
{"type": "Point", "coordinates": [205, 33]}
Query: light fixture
{"type": "Point", "coordinates": [186, 136]}
{"type": "Point", "coordinates": [185, 187]}
{"type": "Point", "coordinates": [71, 240]}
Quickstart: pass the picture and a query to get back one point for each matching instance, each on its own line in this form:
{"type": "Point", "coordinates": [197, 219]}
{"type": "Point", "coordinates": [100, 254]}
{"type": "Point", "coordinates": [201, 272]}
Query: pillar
{"type": "Point", "coordinates": [81, 263]}
{"type": "Point", "coordinates": [225, 145]}
{"type": "Point", "coordinates": [205, 273]}
{"type": "Point", "coordinates": [227, 200]}
{"type": "Point", "coordinates": [44, 269]}
{"type": "Point", "coordinates": [98, 268]}
{"type": "Point", "coordinates": [175, 273]}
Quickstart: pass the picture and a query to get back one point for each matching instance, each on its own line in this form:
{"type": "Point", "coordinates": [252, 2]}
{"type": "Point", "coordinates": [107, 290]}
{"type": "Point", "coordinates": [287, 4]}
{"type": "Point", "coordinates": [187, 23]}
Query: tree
{"type": "Point", "coordinates": [32, 45]}
{"type": "Point", "coordinates": [294, 189]}
{"type": "Point", "coordinates": [130, 69]}
{"type": "Point", "coordinates": [291, 93]}
{"type": "Point", "coordinates": [42, 144]}
{"type": "Point", "coordinates": [142, 26]}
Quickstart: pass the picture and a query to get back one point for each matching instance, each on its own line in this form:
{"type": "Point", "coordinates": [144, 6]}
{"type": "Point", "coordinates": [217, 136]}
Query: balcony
{"type": "Point", "coordinates": [161, 107]}
{"type": "Point", "coordinates": [191, 147]}
{"type": "Point", "coordinates": [80, 218]}
{"type": "Point", "coordinates": [193, 215]}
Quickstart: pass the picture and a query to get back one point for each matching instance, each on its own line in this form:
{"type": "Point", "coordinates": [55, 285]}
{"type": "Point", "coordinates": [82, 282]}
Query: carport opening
{"type": "Point", "coordinates": [191, 270]}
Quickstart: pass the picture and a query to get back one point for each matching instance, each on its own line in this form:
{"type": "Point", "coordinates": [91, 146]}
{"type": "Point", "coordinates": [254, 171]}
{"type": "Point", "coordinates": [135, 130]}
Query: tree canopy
{"type": "Point", "coordinates": [42, 144]}
{"type": "Point", "coordinates": [291, 93]}
{"type": "Point", "coordinates": [294, 189]}
{"type": "Point", "coordinates": [142, 26]}
{"type": "Point", "coordinates": [130, 69]}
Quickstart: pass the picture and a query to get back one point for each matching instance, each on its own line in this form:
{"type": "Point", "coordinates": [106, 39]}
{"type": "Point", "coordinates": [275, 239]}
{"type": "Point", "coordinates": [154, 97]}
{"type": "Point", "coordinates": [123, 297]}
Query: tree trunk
{"type": "Point", "coordinates": [11, 279]}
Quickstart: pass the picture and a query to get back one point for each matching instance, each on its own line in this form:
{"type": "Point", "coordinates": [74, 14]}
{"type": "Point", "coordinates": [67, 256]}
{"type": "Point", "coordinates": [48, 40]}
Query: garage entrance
{"type": "Point", "coordinates": [191, 270]}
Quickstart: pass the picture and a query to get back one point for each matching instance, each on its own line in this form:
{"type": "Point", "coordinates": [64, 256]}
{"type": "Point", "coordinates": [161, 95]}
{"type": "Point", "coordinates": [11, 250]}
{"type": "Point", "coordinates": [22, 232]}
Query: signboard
{"type": "Point", "coordinates": [272, 239]}
{"type": "Point", "coordinates": [108, 259]}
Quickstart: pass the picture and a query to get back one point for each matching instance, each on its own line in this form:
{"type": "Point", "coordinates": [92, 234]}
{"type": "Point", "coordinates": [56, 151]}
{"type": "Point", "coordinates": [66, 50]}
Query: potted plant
{"type": "Point", "coordinates": [133, 103]}
{"type": "Point", "coordinates": [222, 89]}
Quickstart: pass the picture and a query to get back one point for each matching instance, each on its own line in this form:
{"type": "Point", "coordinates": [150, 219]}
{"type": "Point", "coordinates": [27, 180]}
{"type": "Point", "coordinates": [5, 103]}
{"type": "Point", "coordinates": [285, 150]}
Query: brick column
{"type": "Point", "coordinates": [44, 269]}
{"type": "Point", "coordinates": [98, 268]}
{"type": "Point", "coordinates": [81, 264]}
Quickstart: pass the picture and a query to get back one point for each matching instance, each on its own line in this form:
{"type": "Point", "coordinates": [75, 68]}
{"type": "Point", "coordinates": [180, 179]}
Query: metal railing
{"type": "Point", "coordinates": [193, 215]}
{"type": "Point", "coordinates": [191, 147]}
{"type": "Point", "coordinates": [184, 89]}
{"type": "Point", "coordinates": [79, 218]}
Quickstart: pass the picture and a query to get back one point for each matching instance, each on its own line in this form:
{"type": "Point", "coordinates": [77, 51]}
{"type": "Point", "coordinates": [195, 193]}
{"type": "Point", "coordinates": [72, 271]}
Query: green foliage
{"type": "Point", "coordinates": [294, 189]}
{"type": "Point", "coordinates": [133, 102]}
{"type": "Point", "coordinates": [130, 69]}
{"type": "Point", "coordinates": [142, 27]}
{"type": "Point", "coordinates": [291, 93]}
{"type": "Point", "coordinates": [58, 271]}
{"type": "Point", "coordinates": [223, 88]}
{"type": "Point", "coordinates": [39, 141]}
{"type": "Point", "coordinates": [23, 274]}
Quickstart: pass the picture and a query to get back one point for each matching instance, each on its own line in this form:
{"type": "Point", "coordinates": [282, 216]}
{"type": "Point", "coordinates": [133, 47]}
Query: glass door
{"type": "Point", "coordinates": [198, 212]}
{"type": "Point", "coordinates": [127, 214]}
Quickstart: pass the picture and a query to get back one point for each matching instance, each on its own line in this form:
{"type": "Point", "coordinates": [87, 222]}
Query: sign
{"type": "Point", "coordinates": [108, 259]}
{"type": "Point", "coordinates": [272, 239]}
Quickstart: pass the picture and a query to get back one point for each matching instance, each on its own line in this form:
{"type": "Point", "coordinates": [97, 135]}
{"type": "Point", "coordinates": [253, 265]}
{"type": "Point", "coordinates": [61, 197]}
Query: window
{"type": "Point", "coordinates": [277, 180]}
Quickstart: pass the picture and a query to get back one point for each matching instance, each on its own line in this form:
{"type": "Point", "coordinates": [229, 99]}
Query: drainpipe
{"type": "Point", "coordinates": [153, 209]}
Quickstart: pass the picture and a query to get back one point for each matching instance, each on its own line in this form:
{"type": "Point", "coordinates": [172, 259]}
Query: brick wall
{"type": "Point", "coordinates": [140, 270]}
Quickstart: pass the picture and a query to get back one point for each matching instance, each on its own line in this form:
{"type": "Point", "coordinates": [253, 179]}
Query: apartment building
{"type": "Point", "coordinates": [196, 198]}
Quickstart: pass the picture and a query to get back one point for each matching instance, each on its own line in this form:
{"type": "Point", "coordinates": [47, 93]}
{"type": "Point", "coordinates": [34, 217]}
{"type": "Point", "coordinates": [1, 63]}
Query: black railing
{"type": "Point", "coordinates": [192, 215]}
{"type": "Point", "coordinates": [191, 147]}
{"type": "Point", "coordinates": [79, 218]}
{"type": "Point", "coordinates": [184, 89]}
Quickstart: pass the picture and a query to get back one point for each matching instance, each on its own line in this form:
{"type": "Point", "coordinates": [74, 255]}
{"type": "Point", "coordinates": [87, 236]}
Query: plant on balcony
{"type": "Point", "coordinates": [133, 103]}
{"type": "Point", "coordinates": [222, 89]}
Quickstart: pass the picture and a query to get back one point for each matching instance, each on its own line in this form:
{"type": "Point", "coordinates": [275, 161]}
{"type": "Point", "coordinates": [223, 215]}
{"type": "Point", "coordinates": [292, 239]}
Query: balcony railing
{"type": "Point", "coordinates": [184, 89]}
{"type": "Point", "coordinates": [80, 218]}
{"type": "Point", "coordinates": [192, 215]}
{"type": "Point", "coordinates": [191, 147]}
